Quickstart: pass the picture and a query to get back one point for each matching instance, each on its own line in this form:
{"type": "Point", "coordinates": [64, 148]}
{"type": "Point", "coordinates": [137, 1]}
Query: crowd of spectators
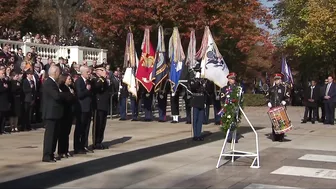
{"type": "Point", "coordinates": [77, 39]}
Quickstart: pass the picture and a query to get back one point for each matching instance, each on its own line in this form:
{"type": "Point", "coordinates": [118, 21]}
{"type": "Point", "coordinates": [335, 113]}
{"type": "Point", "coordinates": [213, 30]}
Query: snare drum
{"type": "Point", "coordinates": [279, 119]}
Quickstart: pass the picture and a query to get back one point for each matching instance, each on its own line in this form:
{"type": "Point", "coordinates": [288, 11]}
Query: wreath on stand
{"type": "Point", "coordinates": [230, 109]}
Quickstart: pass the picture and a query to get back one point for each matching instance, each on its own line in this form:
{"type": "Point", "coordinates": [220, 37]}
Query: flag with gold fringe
{"type": "Point", "coordinates": [177, 58]}
{"type": "Point", "coordinates": [145, 67]}
{"type": "Point", "coordinates": [160, 70]}
{"type": "Point", "coordinates": [130, 63]}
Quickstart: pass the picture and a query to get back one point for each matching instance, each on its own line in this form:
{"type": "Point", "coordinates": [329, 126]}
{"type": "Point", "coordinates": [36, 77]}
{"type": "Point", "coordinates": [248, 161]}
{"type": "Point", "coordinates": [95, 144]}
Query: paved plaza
{"type": "Point", "coordinates": [162, 155]}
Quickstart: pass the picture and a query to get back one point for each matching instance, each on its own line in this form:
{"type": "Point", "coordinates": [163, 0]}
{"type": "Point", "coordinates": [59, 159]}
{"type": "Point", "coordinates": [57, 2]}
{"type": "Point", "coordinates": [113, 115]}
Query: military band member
{"type": "Point", "coordinates": [277, 96]}
{"type": "Point", "coordinates": [197, 103]}
{"type": "Point", "coordinates": [102, 96]}
{"type": "Point", "coordinates": [123, 95]}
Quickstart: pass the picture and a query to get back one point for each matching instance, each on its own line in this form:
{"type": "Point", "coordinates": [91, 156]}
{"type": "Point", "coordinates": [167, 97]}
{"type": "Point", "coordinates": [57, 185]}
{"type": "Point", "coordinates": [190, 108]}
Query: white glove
{"type": "Point", "coordinates": [283, 103]}
{"type": "Point", "coordinates": [269, 105]}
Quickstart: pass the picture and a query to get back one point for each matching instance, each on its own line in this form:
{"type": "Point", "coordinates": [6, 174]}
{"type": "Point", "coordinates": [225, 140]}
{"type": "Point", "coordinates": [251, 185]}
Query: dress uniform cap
{"type": "Point", "coordinates": [278, 76]}
{"type": "Point", "coordinates": [231, 75]}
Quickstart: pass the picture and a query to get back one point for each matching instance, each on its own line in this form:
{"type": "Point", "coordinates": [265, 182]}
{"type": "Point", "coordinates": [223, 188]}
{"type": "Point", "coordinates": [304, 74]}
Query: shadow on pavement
{"type": "Point", "coordinates": [85, 169]}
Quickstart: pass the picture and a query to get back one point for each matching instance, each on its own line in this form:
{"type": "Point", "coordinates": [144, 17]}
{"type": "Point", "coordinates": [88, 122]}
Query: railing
{"type": "Point", "coordinates": [72, 53]}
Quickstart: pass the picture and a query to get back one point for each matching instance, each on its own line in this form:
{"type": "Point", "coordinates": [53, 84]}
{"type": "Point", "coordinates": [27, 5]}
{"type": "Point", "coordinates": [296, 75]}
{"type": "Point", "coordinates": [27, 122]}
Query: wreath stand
{"type": "Point", "coordinates": [236, 153]}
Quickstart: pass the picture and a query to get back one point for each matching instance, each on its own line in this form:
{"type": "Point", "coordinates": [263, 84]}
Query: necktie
{"type": "Point", "coordinates": [32, 83]}
{"type": "Point", "coordinates": [328, 87]}
{"type": "Point", "coordinates": [311, 92]}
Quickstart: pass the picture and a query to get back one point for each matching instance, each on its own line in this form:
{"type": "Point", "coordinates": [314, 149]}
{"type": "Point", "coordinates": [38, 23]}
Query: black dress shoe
{"type": "Point", "coordinates": [148, 120]}
{"type": "Point", "coordinates": [134, 120]}
{"type": "Point", "coordinates": [79, 152]}
{"type": "Point", "coordinates": [67, 155]}
{"type": "Point", "coordinates": [49, 160]}
{"type": "Point", "coordinates": [122, 119]}
{"type": "Point", "coordinates": [59, 157]}
{"type": "Point", "coordinates": [188, 122]}
{"type": "Point", "coordinates": [88, 150]}
{"type": "Point", "coordinates": [161, 121]}
{"type": "Point", "coordinates": [303, 121]}
{"type": "Point", "coordinates": [217, 123]}
{"type": "Point", "coordinates": [174, 122]}
{"type": "Point", "coordinates": [313, 122]}
{"type": "Point", "coordinates": [98, 147]}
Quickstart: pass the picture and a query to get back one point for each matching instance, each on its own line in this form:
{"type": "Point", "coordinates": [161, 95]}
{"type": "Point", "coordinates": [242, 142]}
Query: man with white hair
{"type": "Point", "coordinates": [52, 111]}
{"type": "Point", "coordinates": [83, 112]}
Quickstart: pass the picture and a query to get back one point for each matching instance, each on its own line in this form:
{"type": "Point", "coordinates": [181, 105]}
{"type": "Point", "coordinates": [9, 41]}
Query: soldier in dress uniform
{"type": "Point", "coordinates": [134, 106]}
{"type": "Point", "coordinates": [187, 97]}
{"type": "Point", "coordinates": [277, 96]}
{"type": "Point", "coordinates": [174, 105]}
{"type": "Point", "coordinates": [231, 85]}
{"type": "Point", "coordinates": [102, 96]}
{"type": "Point", "coordinates": [197, 86]}
{"type": "Point", "coordinates": [162, 101]}
{"type": "Point", "coordinates": [147, 102]}
{"type": "Point", "coordinates": [123, 95]}
{"type": "Point", "coordinates": [217, 104]}
{"type": "Point", "coordinates": [208, 100]}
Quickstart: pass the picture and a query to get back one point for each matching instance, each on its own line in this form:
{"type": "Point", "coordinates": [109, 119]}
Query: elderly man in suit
{"type": "Point", "coordinates": [311, 98]}
{"type": "Point", "coordinates": [83, 111]}
{"type": "Point", "coordinates": [329, 101]}
{"type": "Point", "coordinates": [52, 113]}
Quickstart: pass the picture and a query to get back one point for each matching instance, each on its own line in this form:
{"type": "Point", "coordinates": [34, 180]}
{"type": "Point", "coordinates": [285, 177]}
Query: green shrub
{"type": "Point", "coordinates": [254, 100]}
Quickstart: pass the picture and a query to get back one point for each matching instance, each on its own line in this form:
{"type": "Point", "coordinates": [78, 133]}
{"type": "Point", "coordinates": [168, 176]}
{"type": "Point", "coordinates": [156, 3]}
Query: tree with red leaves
{"type": "Point", "coordinates": [233, 23]}
{"type": "Point", "coordinates": [14, 12]}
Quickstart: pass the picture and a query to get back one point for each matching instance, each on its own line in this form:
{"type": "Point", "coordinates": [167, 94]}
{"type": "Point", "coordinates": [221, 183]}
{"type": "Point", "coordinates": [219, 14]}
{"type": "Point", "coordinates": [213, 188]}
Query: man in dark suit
{"type": "Point", "coordinates": [83, 112]}
{"type": "Point", "coordinates": [101, 99]}
{"type": "Point", "coordinates": [311, 97]}
{"type": "Point", "coordinates": [329, 100]}
{"type": "Point", "coordinates": [29, 90]}
{"type": "Point", "coordinates": [321, 101]}
{"type": "Point", "coordinates": [52, 112]}
{"type": "Point", "coordinates": [4, 101]}
{"type": "Point", "coordinates": [37, 82]}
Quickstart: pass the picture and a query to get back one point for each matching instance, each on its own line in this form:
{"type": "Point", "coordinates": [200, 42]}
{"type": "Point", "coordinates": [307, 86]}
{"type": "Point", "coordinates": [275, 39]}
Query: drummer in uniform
{"type": "Point", "coordinates": [277, 96]}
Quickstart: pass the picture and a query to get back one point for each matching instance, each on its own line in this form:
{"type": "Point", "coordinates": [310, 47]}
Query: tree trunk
{"type": "Point", "coordinates": [61, 30]}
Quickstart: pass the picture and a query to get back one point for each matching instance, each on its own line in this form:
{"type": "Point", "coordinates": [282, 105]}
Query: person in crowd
{"type": "Point", "coordinates": [4, 101]}
{"type": "Point", "coordinates": [29, 90]}
{"type": "Point", "coordinates": [29, 62]}
{"type": "Point", "coordinates": [52, 113]}
{"type": "Point", "coordinates": [83, 111]}
{"type": "Point", "coordinates": [16, 103]}
{"type": "Point", "coordinates": [101, 99]}
{"type": "Point", "coordinates": [65, 85]}
{"type": "Point", "coordinates": [329, 101]}
{"type": "Point", "coordinates": [311, 97]}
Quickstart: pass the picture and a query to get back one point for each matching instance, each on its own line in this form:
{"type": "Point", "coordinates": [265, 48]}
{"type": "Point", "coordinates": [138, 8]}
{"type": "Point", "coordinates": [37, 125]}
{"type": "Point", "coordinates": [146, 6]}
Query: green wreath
{"type": "Point", "coordinates": [230, 109]}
